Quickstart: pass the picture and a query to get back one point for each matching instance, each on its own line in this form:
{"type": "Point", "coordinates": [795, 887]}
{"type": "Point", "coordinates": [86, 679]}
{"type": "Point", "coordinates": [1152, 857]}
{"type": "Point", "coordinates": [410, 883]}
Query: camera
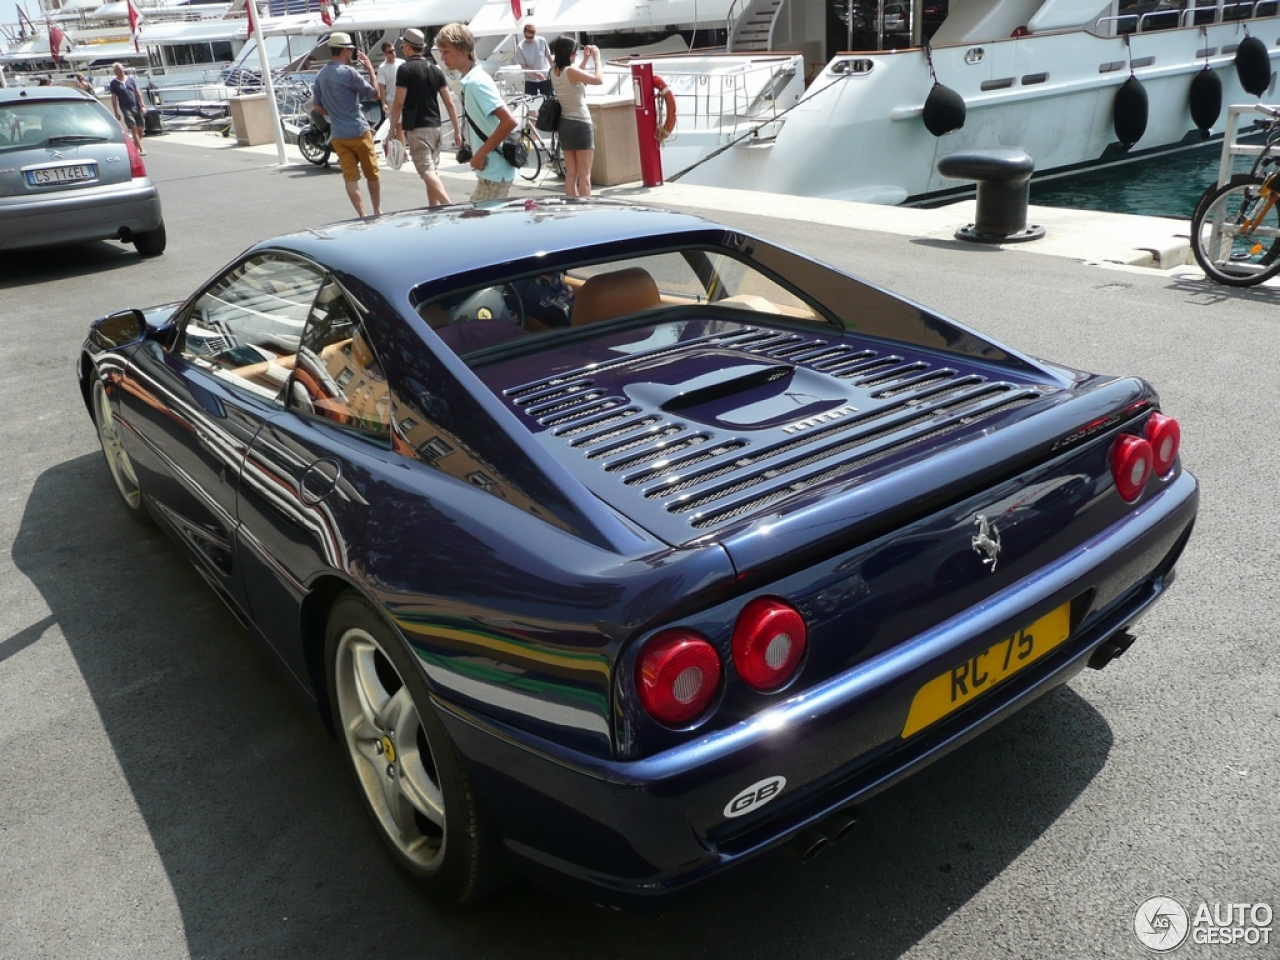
{"type": "Point", "coordinates": [464, 153]}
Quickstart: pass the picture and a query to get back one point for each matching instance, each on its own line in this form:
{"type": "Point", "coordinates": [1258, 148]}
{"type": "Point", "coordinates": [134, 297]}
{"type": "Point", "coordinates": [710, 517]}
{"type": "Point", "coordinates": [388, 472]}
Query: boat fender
{"type": "Point", "coordinates": [944, 111]}
{"type": "Point", "coordinates": [668, 124]}
{"type": "Point", "coordinates": [1129, 115]}
{"type": "Point", "coordinates": [1206, 100]}
{"type": "Point", "coordinates": [1253, 66]}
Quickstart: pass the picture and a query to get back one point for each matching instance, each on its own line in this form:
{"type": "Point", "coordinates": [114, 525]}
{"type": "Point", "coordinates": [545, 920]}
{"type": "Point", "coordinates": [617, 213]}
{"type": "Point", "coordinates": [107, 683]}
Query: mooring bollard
{"type": "Point", "coordinates": [1004, 187]}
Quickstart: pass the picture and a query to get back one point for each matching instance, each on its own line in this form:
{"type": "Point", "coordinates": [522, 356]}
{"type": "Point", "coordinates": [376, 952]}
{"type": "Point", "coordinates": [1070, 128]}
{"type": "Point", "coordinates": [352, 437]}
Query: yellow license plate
{"type": "Point", "coordinates": [975, 676]}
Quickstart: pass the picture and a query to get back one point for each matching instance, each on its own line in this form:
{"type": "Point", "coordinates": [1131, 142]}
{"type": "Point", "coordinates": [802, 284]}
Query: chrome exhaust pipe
{"type": "Point", "coordinates": [808, 843]}
{"type": "Point", "coordinates": [1114, 646]}
{"type": "Point", "coordinates": [837, 826]}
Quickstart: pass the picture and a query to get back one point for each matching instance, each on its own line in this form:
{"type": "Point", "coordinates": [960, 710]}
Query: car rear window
{"type": "Point", "coordinates": [589, 293]}
{"type": "Point", "coordinates": [44, 122]}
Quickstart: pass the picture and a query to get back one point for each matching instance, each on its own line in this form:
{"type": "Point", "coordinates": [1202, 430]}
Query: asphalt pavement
{"type": "Point", "coordinates": [163, 794]}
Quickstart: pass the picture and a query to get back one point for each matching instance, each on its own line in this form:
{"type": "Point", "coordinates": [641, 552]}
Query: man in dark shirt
{"type": "Point", "coordinates": [126, 101]}
{"type": "Point", "coordinates": [415, 113]}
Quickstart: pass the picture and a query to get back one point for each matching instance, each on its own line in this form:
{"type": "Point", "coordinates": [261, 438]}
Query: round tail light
{"type": "Point", "coordinates": [1131, 463]}
{"type": "Point", "coordinates": [1165, 436]}
{"type": "Point", "coordinates": [769, 641]}
{"type": "Point", "coordinates": [677, 676]}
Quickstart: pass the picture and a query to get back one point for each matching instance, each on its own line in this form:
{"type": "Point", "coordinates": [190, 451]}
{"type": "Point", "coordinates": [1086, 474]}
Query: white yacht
{"type": "Point", "coordinates": [791, 107]}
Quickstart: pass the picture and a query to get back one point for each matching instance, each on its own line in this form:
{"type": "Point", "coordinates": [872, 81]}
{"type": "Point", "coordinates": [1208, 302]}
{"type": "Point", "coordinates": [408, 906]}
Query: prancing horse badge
{"type": "Point", "coordinates": [987, 541]}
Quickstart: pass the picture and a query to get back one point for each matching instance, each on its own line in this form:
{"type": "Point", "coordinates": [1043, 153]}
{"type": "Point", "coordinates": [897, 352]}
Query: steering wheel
{"type": "Point", "coordinates": [501, 303]}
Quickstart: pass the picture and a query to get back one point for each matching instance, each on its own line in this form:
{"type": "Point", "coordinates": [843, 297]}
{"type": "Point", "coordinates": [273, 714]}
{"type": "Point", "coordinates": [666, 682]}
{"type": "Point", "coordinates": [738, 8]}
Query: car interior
{"type": "Point", "coordinates": [475, 319]}
{"type": "Point", "coordinates": [277, 328]}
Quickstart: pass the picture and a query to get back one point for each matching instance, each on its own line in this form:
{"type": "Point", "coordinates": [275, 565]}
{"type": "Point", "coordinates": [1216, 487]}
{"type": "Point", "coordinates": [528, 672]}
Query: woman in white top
{"type": "Point", "coordinates": [577, 138]}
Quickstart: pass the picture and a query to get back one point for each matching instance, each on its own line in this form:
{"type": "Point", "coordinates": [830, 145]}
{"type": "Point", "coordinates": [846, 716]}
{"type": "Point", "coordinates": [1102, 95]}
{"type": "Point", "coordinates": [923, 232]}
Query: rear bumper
{"type": "Point", "coordinates": [620, 830]}
{"type": "Point", "coordinates": [78, 216]}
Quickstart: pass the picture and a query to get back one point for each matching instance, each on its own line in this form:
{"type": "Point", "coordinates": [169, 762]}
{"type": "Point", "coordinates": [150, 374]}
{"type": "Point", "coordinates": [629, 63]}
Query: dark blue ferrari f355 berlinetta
{"type": "Point", "coordinates": [619, 546]}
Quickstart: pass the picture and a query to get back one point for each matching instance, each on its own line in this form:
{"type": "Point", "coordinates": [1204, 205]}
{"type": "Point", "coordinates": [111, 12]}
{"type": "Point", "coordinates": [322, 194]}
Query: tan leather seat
{"type": "Point", "coordinates": [616, 294]}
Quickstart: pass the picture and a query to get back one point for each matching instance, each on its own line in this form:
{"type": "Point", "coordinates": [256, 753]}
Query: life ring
{"type": "Point", "coordinates": [667, 123]}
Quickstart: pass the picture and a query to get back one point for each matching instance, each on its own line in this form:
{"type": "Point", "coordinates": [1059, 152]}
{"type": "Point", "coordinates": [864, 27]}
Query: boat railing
{"type": "Point", "coordinates": [725, 93]}
{"type": "Point", "coordinates": [1192, 15]}
{"type": "Point", "coordinates": [736, 10]}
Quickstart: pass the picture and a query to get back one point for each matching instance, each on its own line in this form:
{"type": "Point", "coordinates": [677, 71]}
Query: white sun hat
{"type": "Point", "coordinates": [395, 153]}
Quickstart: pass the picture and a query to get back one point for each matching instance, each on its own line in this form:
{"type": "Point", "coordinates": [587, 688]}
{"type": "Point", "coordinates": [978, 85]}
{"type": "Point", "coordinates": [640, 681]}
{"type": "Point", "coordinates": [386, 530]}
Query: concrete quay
{"type": "Point", "coordinates": [1157, 243]}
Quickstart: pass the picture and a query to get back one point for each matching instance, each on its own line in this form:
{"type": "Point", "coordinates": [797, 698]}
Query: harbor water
{"type": "Point", "coordinates": [1160, 187]}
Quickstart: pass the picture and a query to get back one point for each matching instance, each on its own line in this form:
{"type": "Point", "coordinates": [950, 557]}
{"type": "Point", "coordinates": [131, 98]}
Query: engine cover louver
{"type": "Point", "coordinates": [721, 427]}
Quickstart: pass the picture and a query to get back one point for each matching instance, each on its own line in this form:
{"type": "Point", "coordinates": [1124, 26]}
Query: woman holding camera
{"type": "Point", "coordinates": [577, 137]}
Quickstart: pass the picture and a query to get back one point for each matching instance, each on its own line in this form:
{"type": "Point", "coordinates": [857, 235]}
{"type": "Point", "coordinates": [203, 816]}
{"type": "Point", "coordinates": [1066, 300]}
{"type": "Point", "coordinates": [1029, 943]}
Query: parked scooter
{"type": "Point", "coordinates": [314, 139]}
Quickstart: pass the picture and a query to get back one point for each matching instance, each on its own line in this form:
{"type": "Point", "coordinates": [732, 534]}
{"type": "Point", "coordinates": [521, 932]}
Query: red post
{"type": "Point", "coordinates": [647, 124]}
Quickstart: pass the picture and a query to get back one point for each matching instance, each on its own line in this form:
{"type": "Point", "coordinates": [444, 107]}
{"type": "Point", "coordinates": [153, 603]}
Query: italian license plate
{"type": "Point", "coordinates": [72, 173]}
{"type": "Point", "coordinates": [973, 677]}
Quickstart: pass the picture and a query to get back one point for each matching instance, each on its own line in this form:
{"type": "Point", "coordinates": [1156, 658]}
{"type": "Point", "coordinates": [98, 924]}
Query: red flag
{"type": "Point", "coordinates": [249, 14]}
{"type": "Point", "coordinates": [55, 43]}
{"type": "Point", "coordinates": [515, 9]}
{"type": "Point", "coordinates": [325, 15]}
{"type": "Point", "coordinates": [135, 18]}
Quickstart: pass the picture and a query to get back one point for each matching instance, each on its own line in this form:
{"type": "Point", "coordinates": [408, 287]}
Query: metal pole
{"type": "Point", "coordinates": [269, 85]}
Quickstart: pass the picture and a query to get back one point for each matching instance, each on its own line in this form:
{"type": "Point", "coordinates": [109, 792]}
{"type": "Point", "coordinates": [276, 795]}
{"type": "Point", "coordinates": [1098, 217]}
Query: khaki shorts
{"type": "Point", "coordinates": [424, 149]}
{"type": "Point", "coordinates": [356, 154]}
{"type": "Point", "coordinates": [491, 189]}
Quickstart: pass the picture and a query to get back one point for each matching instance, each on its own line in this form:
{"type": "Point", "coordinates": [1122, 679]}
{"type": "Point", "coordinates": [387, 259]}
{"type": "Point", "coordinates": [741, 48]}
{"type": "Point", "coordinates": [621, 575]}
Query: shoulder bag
{"type": "Point", "coordinates": [513, 149]}
{"type": "Point", "coordinates": [548, 119]}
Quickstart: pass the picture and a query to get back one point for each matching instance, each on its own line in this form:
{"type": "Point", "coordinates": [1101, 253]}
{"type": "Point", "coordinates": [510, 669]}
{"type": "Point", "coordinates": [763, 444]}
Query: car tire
{"type": "Point", "coordinates": [118, 462]}
{"type": "Point", "coordinates": [412, 780]}
{"type": "Point", "coordinates": [151, 243]}
{"type": "Point", "coordinates": [314, 147]}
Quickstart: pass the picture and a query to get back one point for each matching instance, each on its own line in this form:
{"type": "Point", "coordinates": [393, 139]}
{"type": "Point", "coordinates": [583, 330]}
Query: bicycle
{"type": "Point", "coordinates": [541, 152]}
{"type": "Point", "coordinates": [1235, 229]}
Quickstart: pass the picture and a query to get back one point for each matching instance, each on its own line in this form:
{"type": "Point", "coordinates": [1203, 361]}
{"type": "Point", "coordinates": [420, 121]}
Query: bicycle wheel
{"type": "Point", "coordinates": [1235, 234]}
{"type": "Point", "coordinates": [533, 160]}
{"type": "Point", "coordinates": [555, 157]}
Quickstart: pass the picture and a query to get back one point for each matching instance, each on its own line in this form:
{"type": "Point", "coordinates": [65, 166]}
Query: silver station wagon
{"type": "Point", "coordinates": [69, 174]}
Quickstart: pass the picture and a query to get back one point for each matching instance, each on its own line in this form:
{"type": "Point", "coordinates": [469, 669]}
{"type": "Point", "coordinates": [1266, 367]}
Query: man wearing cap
{"type": "Point", "coordinates": [415, 112]}
{"type": "Point", "coordinates": [339, 90]}
{"type": "Point", "coordinates": [534, 57]}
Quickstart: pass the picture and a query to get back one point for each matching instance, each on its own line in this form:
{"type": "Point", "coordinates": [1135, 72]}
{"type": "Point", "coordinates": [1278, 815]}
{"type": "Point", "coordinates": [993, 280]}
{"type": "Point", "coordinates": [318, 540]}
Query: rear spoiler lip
{"type": "Point", "coordinates": [862, 509]}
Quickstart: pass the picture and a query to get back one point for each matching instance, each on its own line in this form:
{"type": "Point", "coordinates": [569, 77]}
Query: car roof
{"type": "Point", "coordinates": [12, 95]}
{"type": "Point", "coordinates": [400, 252]}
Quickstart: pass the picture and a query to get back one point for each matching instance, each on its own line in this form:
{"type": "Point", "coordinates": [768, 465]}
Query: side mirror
{"type": "Point", "coordinates": [118, 329]}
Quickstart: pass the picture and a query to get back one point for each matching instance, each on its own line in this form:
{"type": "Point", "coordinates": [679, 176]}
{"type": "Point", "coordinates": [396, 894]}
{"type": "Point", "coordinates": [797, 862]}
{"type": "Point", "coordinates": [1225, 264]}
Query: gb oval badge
{"type": "Point", "coordinates": [755, 796]}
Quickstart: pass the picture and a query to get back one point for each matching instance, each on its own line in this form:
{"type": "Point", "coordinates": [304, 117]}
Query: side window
{"type": "Point", "coordinates": [336, 376]}
{"type": "Point", "coordinates": [246, 326]}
